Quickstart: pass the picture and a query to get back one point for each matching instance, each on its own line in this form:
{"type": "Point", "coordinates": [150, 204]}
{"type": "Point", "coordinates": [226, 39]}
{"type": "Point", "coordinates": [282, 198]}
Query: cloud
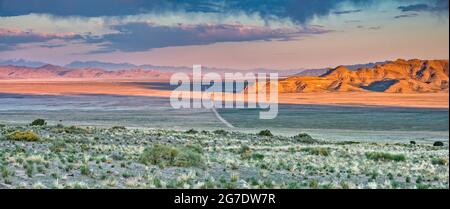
{"type": "Point", "coordinates": [5, 47]}
{"type": "Point", "coordinates": [11, 38]}
{"type": "Point", "coordinates": [431, 6]}
{"type": "Point", "coordinates": [347, 11]}
{"type": "Point", "coordinates": [369, 28]}
{"type": "Point", "coordinates": [414, 7]}
{"type": "Point", "coordinates": [353, 21]}
{"type": "Point", "coordinates": [406, 15]}
{"type": "Point", "coordinates": [298, 11]}
{"type": "Point", "coordinates": [52, 45]}
{"type": "Point", "coordinates": [144, 36]}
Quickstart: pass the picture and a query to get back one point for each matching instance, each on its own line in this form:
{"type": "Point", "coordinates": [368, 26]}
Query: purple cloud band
{"type": "Point", "coordinates": [143, 36]}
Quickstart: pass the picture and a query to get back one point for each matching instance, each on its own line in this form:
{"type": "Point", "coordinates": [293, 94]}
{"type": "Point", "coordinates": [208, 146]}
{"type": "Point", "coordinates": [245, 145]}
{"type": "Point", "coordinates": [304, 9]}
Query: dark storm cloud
{"type": "Point", "coordinates": [143, 36]}
{"type": "Point", "coordinates": [138, 36]}
{"type": "Point", "coordinates": [297, 10]}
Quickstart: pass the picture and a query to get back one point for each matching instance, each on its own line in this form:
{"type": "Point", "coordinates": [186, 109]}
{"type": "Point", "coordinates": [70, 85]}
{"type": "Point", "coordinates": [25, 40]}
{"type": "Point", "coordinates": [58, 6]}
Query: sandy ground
{"type": "Point", "coordinates": [122, 87]}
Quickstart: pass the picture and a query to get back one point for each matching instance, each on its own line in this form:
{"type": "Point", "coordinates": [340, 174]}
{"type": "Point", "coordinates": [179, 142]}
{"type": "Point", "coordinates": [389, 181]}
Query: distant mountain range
{"type": "Point", "coordinates": [121, 66]}
{"type": "Point", "coordinates": [127, 66]}
{"type": "Point", "coordinates": [107, 66]}
{"type": "Point", "coordinates": [321, 71]}
{"type": "Point", "coordinates": [400, 76]}
{"type": "Point", "coordinates": [51, 72]}
{"type": "Point", "coordinates": [22, 63]}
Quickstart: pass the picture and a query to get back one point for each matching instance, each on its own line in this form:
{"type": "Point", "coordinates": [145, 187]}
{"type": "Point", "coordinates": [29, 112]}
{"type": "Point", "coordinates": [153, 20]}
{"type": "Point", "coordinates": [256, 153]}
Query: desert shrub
{"type": "Point", "coordinates": [164, 155]}
{"type": "Point", "coordinates": [385, 156]}
{"type": "Point", "coordinates": [197, 148]}
{"type": "Point", "coordinates": [118, 128]}
{"type": "Point", "coordinates": [265, 133]}
{"type": "Point", "coordinates": [220, 132]}
{"type": "Point", "coordinates": [117, 156]}
{"type": "Point", "coordinates": [439, 161]}
{"type": "Point", "coordinates": [187, 158]}
{"type": "Point", "coordinates": [84, 170]}
{"type": "Point", "coordinates": [23, 136]}
{"type": "Point", "coordinates": [192, 131]}
{"type": "Point", "coordinates": [408, 179]}
{"type": "Point", "coordinates": [304, 138]}
{"type": "Point", "coordinates": [322, 151]}
{"type": "Point", "coordinates": [2, 125]}
{"type": "Point", "coordinates": [29, 168]}
{"type": "Point", "coordinates": [438, 144]}
{"type": "Point", "coordinates": [344, 185]}
{"type": "Point", "coordinates": [347, 143]}
{"type": "Point", "coordinates": [245, 152]}
{"type": "Point", "coordinates": [159, 154]}
{"type": "Point", "coordinates": [413, 142]}
{"type": "Point", "coordinates": [258, 156]}
{"type": "Point", "coordinates": [423, 186]}
{"type": "Point", "coordinates": [314, 184]}
{"type": "Point", "coordinates": [71, 130]}
{"type": "Point", "coordinates": [58, 146]}
{"type": "Point", "coordinates": [5, 172]}
{"type": "Point", "coordinates": [38, 122]}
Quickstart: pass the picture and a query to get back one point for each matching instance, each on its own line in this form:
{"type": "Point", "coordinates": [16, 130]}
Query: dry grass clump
{"type": "Point", "coordinates": [23, 136]}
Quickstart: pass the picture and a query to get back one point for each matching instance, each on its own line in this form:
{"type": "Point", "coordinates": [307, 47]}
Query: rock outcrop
{"type": "Point", "coordinates": [400, 76]}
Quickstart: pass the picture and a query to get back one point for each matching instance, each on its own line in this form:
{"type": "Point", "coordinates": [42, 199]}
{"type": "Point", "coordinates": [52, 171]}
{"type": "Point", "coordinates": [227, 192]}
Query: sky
{"type": "Point", "coordinates": [238, 34]}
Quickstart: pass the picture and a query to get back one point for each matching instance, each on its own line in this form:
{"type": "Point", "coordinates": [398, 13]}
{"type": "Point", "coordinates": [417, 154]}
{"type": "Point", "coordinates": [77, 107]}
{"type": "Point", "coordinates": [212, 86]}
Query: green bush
{"type": "Point", "coordinates": [2, 125]}
{"type": "Point", "coordinates": [322, 151]}
{"type": "Point", "coordinates": [258, 156]}
{"type": "Point", "coordinates": [38, 122]}
{"type": "Point", "coordinates": [159, 154]}
{"type": "Point", "coordinates": [23, 136]}
{"type": "Point", "coordinates": [439, 161]}
{"type": "Point", "coordinates": [220, 132]}
{"type": "Point", "coordinates": [265, 133]}
{"type": "Point", "coordinates": [305, 138]}
{"type": "Point", "coordinates": [164, 155]}
{"type": "Point", "coordinates": [192, 131]}
{"type": "Point", "coordinates": [245, 152]}
{"type": "Point", "coordinates": [438, 144]}
{"type": "Point", "coordinates": [188, 158]}
{"type": "Point", "coordinates": [385, 156]}
{"type": "Point", "coordinates": [5, 172]}
{"type": "Point", "coordinates": [84, 170]}
{"type": "Point", "coordinates": [314, 184]}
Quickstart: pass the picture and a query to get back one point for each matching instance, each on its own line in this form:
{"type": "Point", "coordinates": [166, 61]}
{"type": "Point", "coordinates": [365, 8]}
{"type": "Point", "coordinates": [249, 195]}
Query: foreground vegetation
{"type": "Point", "coordinates": [43, 156]}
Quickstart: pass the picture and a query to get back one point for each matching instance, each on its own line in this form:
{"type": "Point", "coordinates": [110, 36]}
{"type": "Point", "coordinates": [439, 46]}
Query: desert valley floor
{"type": "Point", "coordinates": [144, 88]}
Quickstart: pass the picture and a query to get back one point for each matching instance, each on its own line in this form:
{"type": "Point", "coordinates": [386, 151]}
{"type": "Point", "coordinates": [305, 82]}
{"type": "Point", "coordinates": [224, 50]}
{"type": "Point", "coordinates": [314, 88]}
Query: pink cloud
{"type": "Point", "coordinates": [11, 38]}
